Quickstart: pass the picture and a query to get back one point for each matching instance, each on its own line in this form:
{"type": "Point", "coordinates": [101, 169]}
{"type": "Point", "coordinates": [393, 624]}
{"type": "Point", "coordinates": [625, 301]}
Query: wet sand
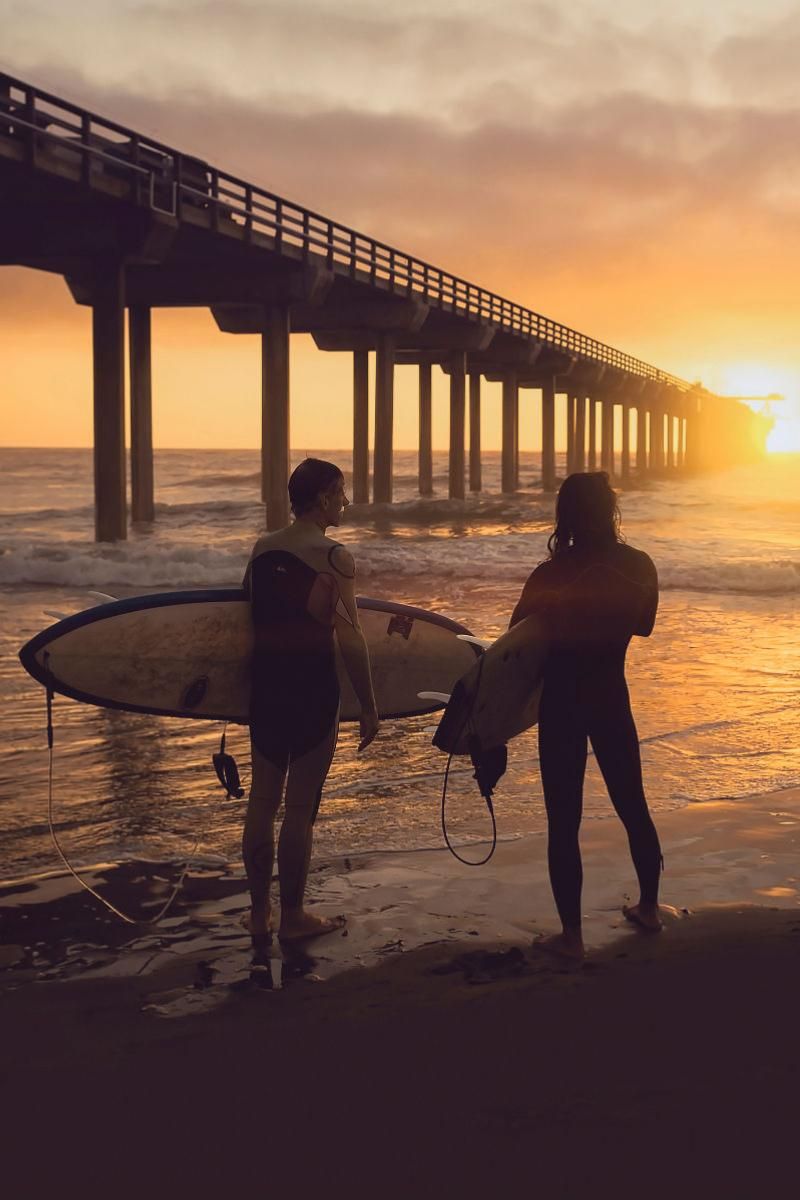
{"type": "Point", "coordinates": [429, 1050]}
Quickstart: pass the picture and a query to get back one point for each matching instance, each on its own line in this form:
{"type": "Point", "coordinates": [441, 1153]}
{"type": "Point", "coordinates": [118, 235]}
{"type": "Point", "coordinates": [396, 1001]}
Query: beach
{"type": "Point", "coordinates": [431, 1048]}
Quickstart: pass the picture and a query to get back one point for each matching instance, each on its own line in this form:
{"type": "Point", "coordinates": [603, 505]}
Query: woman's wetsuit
{"type": "Point", "coordinates": [593, 599]}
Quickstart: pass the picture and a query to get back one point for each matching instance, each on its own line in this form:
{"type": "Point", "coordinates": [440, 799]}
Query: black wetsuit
{"type": "Point", "coordinates": [294, 697]}
{"type": "Point", "coordinates": [593, 599]}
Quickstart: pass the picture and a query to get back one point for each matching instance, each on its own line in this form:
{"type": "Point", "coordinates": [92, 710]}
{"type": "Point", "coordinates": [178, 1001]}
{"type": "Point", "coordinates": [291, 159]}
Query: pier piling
{"type": "Point", "coordinates": [140, 371]}
{"type": "Point", "coordinates": [384, 420]}
{"type": "Point", "coordinates": [625, 457]}
{"type": "Point", "coordinates": [591, 461]}
{"type": "Point", "coordinates": [549, 434]}
{"type": "Point", "coordinates": [580, 434]}
{"type": "Point", "coordinates": [475, 481]}
{"type": "Point", "coordinates": [509, 430]}
{"type": "Point", "coordinates": [607, 436]}
{"type": "Point", "coordinates": [108, 350]}
{"type": "Point", "coordinates": [425, 431]}
{"type": "Point", "coordinates": [360, 427]}
{"type": "Point", "coordinates": [457, 371]}
{"type": "Point", "coordinates": [275, 414]}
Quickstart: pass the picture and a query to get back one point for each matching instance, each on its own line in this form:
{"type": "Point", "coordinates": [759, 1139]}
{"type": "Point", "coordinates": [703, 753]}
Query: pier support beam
{"type": "Point", "coordinates": [475, 481]}
{"type": "Point", "coordinates": [361, 427]}
{"type": "Point", "coordinates": [607, 437]}
{"type": "Point", "coordinates": [656, 439]}
{"type": "Point", "coordinates": [592, 457]}
{"type": "Point", "coordinates": [384, 420]}
{"type": "Point", "coordinates": [580, 434]}
{"type": "Point", "coordinates": [108, 349]}
{"type": "Point", "coordinates": [641, 441]}
{"type": "Point", "coordinates": [670, 442]}
{"type": "Point", "coordinates": [682, 422]}
{"type": "Point", "coordinates": [425, 431]}
{"type": "Point", "coordinates": [275, 414]}
{"type": "Point", "coordinates": [140, 370]}
{"type": "Point", "coordinates": [570, 433]}
{"type": "Point", "coordinates": [510, 410]}
{"type": "Point", "coordinates": [625, 463]}
{"type": "Point", "coordinates": [458, 380]}
{"type": "Point", "coordinates": [549, 434]}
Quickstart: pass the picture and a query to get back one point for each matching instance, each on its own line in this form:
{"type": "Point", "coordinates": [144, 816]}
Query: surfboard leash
{"type": "Point", "coordinates": [112, 908]}
{"type": "Point", "coordinates": [468, 862]}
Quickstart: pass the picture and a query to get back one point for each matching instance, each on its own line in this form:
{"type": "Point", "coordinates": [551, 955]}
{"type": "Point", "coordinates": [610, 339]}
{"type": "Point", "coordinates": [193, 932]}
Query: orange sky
{"type": "Point", "coordinates": [633, 174]}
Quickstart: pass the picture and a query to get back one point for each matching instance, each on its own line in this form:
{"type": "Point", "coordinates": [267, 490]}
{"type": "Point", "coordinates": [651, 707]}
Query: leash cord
{"type": "Point", "coordinates": [107, 903]}
{"type": "Point", "coordinates": [468, 862]}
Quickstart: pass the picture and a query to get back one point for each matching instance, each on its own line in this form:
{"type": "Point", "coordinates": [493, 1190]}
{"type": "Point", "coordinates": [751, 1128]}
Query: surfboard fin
{"type": "Point", "coordinates": [103, 597]}
{"type": "Point", "coordinates": [484, 643]}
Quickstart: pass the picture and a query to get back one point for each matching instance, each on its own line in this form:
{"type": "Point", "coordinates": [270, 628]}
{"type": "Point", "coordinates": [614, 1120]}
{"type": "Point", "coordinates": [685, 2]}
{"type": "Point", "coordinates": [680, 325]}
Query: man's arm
{"type": "Point", "coordinates": [352, 644]}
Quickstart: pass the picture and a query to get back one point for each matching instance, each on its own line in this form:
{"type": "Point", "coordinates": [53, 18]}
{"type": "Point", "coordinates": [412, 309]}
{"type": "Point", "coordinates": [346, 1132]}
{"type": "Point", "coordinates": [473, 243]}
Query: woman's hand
{"type": "Point", "coordinates": [369, 726]}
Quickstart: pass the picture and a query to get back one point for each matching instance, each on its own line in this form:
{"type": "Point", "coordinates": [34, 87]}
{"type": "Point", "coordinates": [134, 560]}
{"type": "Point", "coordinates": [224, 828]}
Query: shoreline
{"type": "Point", "coordinates": [715, 853]}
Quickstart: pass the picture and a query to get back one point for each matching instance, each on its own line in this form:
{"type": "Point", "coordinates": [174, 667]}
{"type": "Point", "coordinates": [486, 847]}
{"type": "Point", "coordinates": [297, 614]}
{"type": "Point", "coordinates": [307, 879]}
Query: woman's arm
{"type": "Point", "coordinates": [535, 596]}
{"type": "Point", "coordinates": [647, 613]}
{"type": "Point", "coordinates": [352, 643]}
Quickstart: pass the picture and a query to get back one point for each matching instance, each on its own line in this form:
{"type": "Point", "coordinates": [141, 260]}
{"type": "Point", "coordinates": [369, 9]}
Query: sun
{"type": "Point", "coordinates": [784, 437]}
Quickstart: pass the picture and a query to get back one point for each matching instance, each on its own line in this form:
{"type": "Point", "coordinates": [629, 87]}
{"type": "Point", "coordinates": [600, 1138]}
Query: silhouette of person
{"type": "Point", "coordinates": [593, 594]}
{"type": "Point", "coordinates": [301, 586]}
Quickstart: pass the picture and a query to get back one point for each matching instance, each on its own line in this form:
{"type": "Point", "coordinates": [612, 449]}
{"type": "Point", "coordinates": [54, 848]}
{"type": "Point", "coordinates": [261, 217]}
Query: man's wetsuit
{"type": "Point", "coordinates": [294, 697]}
{"type": "Point", "coordinates": [593, 599]}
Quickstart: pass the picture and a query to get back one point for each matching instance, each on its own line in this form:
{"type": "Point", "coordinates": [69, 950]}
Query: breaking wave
{"type": "Point", "coordinates": [147, 563]}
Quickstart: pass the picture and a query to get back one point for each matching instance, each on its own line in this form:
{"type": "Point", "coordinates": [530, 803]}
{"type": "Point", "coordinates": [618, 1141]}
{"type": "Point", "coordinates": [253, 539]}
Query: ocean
{"type": "Point", "coordinates": [714, 689]}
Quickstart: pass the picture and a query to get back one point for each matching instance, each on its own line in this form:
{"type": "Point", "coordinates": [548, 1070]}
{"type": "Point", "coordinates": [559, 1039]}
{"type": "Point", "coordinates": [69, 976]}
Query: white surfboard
{"type": "Point", "coordinates": [498, 697]}
{"type": "Point", "coordinates": [187, 654]}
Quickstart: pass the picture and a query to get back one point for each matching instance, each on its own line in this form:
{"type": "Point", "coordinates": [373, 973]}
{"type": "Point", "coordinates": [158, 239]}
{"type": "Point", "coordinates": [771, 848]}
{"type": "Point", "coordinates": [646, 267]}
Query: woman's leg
{"type": "Point", "coordinates": [562, 757]}
{"type": "Point", "coordinates": [258, 840]}
{"type": "Point", "coordinates": [616, 745]}
{"type": "Point", "coordinates": [307, 774]}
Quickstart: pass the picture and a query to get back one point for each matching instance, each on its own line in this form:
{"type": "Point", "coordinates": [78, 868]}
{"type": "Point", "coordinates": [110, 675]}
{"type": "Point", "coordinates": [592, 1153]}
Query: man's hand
{"type": "Point", "coordinates": [369, 726]}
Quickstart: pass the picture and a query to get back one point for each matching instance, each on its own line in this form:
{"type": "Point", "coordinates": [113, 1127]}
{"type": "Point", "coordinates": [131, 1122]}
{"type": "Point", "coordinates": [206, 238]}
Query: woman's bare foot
{"type": "Point", "coordinates": [258, 924]}
{"type": "Point", "coordinates": [300, 924]}
{"type": "Point", "coordinates": [563, 945]}
{"type": "Point", "coordinates": [645, 916]}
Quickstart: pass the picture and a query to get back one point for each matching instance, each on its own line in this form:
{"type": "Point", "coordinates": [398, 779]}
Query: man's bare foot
{"type": "Point", "coordinates": [645, 916]}
{"type": "Point", "coordinates": [298, 925]}
{"type": "Point", "coordinates": [562, 945]}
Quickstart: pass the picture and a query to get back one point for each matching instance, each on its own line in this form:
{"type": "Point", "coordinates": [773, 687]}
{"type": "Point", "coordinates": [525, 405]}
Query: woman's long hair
{"type": "Point", "coordinates": [586, 513]}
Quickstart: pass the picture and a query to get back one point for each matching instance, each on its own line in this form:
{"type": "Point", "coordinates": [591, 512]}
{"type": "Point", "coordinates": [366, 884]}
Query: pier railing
{"type": "Point", "coordinates": [54, 134]}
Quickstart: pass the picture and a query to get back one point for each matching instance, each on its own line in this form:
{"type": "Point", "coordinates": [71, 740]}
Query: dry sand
{"type": "Point", "coordinates": [428, 1051]}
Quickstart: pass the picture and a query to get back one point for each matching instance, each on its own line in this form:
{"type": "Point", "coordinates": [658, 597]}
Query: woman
{"type": "Point", "coordinates": [301, 585]}
{"type": "Point", "coordinates": [593, 593]}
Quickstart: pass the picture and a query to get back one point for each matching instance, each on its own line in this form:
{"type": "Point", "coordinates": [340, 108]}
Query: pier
{"type": "Point", "coordinates": [133, 225]}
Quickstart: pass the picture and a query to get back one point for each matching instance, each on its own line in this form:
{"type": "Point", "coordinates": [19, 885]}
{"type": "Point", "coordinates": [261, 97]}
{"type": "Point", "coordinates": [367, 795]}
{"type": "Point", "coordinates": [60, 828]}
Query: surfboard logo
{"type": "Point", "coordinates": [402, 624]}
{"type": "Point", "coordinates": [195, 692]}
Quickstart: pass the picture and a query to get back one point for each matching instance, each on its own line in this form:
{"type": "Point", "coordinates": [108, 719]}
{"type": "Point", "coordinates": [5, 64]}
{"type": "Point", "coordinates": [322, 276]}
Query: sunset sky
{"type": "Point", "coordinates": [632, 172]}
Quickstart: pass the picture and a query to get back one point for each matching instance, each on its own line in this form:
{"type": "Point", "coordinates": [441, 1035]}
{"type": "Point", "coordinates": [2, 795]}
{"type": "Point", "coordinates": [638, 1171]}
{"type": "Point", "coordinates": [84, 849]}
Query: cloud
{"type": "Point", "coordinates": [560, 158]}
{"type": "Point", "coordinates": [762, 62]}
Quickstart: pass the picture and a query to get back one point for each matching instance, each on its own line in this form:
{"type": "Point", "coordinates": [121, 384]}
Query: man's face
{"type": "Point", "coordinates": [335, 503]}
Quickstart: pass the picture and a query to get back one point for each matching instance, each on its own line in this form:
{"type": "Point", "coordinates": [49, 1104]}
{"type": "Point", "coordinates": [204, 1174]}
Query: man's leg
{"type": "Point", "coordinates": [258, 840]}
{"type": "Point", "coordinates": [307, 774]}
